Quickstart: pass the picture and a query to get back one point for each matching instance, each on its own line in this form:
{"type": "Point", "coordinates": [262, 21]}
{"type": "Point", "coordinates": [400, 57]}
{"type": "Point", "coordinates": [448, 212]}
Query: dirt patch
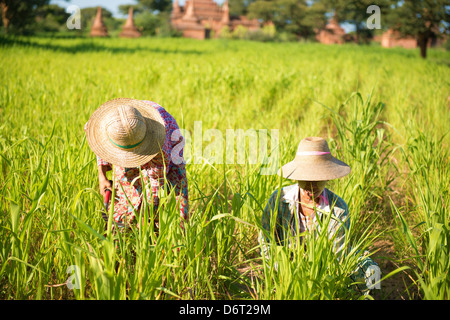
{"type": "Point", "coordinates": [399, 286]}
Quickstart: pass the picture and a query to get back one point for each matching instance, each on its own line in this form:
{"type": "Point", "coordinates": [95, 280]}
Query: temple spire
{"type": "Point", "coordinates": [98, 27]}
{"type": "Point", "coordinates": [176, 10]}
{"type": "Point", "coordinates": [225, 13]}
{"type": "Point", "coordinates": [190, 11]}
{"type": "Point", "coordinates": [129, 29]}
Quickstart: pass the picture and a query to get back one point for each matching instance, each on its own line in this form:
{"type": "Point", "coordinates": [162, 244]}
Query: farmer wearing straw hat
{"type": "Point", "coordinates": [128, 134]}
{"type": "Point", "coordinates": [303, 202]}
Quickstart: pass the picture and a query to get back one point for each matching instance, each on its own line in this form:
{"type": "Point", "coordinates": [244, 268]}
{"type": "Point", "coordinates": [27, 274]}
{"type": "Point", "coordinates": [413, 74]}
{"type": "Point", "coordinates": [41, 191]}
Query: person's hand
{"type": "Point", "coordinates": [104, 184]}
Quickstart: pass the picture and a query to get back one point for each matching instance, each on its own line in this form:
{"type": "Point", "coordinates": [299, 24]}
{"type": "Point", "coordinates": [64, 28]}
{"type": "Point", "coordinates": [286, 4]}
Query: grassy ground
{"type": "Point", "coordinates": [384, 111]}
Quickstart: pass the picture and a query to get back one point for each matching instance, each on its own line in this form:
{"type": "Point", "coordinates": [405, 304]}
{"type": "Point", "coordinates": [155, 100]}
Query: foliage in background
{"type": "Point", "coordinates": [295, 17]}
{"type": "Point", "coordinates": [239, 7]}
{"type": "Point", "coordinates": [51, 18]}
{"type": "Point", "coordinates": [152, 17]}
{"type": "Point", "coordinates": [264, 34]}
{"type": "Point", "coordinates": [423, 20]}
{"type": "Point", "coordinates": [355, 13]}
{"type": "Point", "coordinates": [19, 16]}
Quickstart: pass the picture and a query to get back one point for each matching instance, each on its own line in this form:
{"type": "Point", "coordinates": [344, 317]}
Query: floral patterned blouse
{"type": "Point", "coordinates": [153, 175]}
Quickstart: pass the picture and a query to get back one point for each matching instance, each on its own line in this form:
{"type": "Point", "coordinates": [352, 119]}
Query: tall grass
{"type": "Point", "coordinates": [361, 139]}
{"type": "Point", "coordinates": [427, 234]}
{"type": "Point", "coordinates": [51, 208]}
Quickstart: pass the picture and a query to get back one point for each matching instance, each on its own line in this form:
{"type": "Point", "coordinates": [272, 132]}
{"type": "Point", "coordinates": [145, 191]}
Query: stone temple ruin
{"type": "Point", "coordinates": [98, 28]}
{"type": "Point", "coordinates": [204, 19]}
{"type": "Point", "coordinates": [391, 39]}
{"type": "Point", "coordinates": [129, 29]}
{"type": "Point", "coordinates": [333, 33]}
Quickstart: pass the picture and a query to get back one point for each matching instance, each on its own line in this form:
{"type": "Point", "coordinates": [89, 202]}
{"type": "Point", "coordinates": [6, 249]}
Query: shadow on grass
{"type": "Point", "coordinates": [89, 45]}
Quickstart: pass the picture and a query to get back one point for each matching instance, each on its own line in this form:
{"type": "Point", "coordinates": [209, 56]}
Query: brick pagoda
{"type": "Point", "coordinates": [332, 33]}
{"type": "Point", "coordinates": [98, 27]}
{"type": "Point", "coordinates": [129, 29]}
{"type": "Point", "coordinates": [198, 18]}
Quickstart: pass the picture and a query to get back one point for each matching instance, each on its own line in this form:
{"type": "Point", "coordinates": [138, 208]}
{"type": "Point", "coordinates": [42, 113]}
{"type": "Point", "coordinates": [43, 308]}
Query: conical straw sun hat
{"type": "Point", "coordinates": [126, 132]}
{"type": "Point", "coordinates": [314, 162]}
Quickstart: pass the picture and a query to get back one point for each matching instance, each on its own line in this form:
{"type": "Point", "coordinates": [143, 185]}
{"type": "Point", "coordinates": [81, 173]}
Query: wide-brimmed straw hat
{"type": "Point", "coordinates": [314, 162]}
{"type": "Point", "coordinates": [126, 132]}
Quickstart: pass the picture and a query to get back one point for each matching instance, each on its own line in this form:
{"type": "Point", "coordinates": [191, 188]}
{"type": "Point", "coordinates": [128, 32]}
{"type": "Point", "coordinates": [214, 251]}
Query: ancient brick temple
{"type": "Point", "coordinates": [98, 27]}
{"type": "Point", "coordinates": [129, 30]}
{"type": "Point", "coordinates": [203, 19]}
{"type": "Point", "coordinates": [332, 33]}
{"type": "Point", "coordinates": [392, 38]}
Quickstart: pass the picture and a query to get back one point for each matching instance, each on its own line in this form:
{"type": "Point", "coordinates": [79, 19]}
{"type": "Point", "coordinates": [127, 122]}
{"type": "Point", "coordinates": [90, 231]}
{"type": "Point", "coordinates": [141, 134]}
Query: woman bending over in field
{"type": "Point", "coordinates": [300, 205]}
{"type": "Point", "coordinates": [128, 134]}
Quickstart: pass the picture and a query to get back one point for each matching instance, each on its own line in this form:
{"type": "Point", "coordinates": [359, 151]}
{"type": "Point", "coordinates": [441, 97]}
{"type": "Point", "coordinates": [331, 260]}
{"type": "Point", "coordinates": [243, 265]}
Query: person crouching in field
{"type": "Point", "coordinates": [127, 135]}
{"type": "Point", "coordinates": [302, 202]}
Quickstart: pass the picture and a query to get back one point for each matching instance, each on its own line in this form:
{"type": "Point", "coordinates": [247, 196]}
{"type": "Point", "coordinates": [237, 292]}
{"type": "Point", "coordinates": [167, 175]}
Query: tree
{"type": "Point", "coordinates": [314, 19]}
{"type": "Point", "coordinates": [20, 15]}
{"type": "Point", "coordinates": [239, 7]}
{"type": "Point", "coordinates": [151, 16]}
{"type": "Point", "coordinates": [147, 22]}
{"type": "Point", "coordinates": [311, 19]}
{"type": "Point", "coordinates": [265, 10]}
{"type": "Point", "coordinates": [298, 17]}
{"type": "Point", "coordinates": [156, 5]}
{"type": "Point", "coordinates": [421, 19]}
{"type": "Point", "coordinates": [51, 18]}
{"type": "Point", "coordinates": [123, 8]}
{"type": "Point", "coordinates": [355, 12]}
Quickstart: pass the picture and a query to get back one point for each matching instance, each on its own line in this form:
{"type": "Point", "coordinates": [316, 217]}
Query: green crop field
{"type": "Point", "coordinates": [383, 111]}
